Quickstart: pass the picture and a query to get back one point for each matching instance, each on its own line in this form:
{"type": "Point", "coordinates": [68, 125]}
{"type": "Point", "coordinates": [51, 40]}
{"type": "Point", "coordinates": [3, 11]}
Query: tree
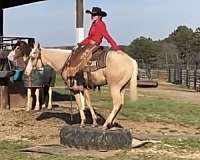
{"type": "Point", "coordinates": [196, 46]}
{"type": "Point", "coordinates": [182, 37]}
{"type": "Point", "coordinates": [144, 48]}
{"type": "Point", "coordinates": [169, 54]}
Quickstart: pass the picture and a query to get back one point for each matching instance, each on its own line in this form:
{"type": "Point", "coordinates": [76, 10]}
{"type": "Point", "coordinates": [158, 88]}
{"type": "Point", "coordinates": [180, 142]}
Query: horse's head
{"type": "Point", "coordinates": [34, 61]}
{"type": "Point", "coordinates": [20, 49]}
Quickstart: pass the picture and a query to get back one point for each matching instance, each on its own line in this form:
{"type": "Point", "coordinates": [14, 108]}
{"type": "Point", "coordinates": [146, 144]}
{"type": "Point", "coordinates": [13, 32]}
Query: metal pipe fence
{"type": "Point", "coordinates": [185, 75]}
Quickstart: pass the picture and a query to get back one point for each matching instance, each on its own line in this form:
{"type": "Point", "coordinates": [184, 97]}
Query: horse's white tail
{"type": "Point", "coordinates": [133, 82]}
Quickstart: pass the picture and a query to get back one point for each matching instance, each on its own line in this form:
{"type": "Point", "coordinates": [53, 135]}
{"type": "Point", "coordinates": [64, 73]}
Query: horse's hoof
{"type": "Point", "coordinates": [82, 126]}
{"type": "Point", "coordinates": [28, 109]}
{"type": "Point", "coordinates": [49, 107]}
{"type": "Point", "coordinates": [94, 125]}
{"type": "Point", "coordinates": [43, 106]}
{"type": "Point", "coordinates": [104, 128]}
{"type": "Point", "coordinates": [37, 108]}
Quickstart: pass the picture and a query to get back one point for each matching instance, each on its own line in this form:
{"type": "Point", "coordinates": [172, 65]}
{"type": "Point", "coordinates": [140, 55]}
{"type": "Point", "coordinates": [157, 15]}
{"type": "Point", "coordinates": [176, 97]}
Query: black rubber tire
{"type": "Point", "coordinates": [95, 138]}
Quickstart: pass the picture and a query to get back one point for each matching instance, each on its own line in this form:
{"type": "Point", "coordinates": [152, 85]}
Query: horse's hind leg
{"type": "Point", "coordinates": [81, 105]}
{"type": "Point", "coordinates": [122, 98]}
{"type": "Point", "coordinates": [88, 103]}
{"type": "Point", "coordinates": [50, 98]}
{"type": "Point", "coordinates": [117, 104]}
{"type": "Point", "coordinates": [37, 94]}
{"type": "Point", "coordinates": [43, 97]}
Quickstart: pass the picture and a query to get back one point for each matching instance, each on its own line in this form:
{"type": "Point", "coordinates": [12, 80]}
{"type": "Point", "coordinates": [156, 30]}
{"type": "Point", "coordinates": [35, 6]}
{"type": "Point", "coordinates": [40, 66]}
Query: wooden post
{"type": "Point", "coordinates": [175, 75]}
{"type": "Point", "coordinates": [79, 21]}
{"type": "Point", "coordinates": [169, 75]}
{"type": "Point", "coordinates": [187, 78]}
{"type": "Point", "coordinates": [4, 97]}
{"type": "Point", "coordinates": [195, 76]}
{"type": "Point", "coordinates": [181, 73]}
{"type": "Point", "coordinates": [1, 26]}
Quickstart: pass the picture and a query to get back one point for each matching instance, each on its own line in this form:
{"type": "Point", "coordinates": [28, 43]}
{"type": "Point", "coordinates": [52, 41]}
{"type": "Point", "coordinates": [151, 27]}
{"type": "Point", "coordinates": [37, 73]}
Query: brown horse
{"type": "Point", "coordinates": [23, 49]}
{"type": "Point", "coordinates": [120, 71]}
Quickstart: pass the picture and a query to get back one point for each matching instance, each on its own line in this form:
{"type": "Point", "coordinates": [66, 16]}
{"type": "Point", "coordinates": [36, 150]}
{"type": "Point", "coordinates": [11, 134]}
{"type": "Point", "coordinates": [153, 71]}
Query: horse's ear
{"type": "Point", "coordinates": [37, 46]}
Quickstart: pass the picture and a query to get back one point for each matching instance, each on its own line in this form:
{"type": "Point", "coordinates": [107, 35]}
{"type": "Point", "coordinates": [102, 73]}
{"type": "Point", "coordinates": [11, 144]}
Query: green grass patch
{"type": "Point", "coordinates": [162, 110]}
{"type": "Point", "coordinates": [9, 150]}
{"type": "Point", "coordinates": [59, 81]}
{"type": "Point", "coordinates": [152, 109]}
{"type": "Point", "coordinates": [148, 108]}
{"type": "Point", "coordinates": [181, 143]}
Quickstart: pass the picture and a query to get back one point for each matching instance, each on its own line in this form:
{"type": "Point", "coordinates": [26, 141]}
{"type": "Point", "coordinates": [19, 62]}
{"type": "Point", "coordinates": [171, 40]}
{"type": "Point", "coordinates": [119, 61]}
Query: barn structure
{"type": "Point", "coordinates": [12, 3]}
{"type": "Point", "coordinates": [4, 4]}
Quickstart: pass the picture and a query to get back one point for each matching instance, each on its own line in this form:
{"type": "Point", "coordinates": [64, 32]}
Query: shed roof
{"type": "Point", "coordinates": [12, 3]}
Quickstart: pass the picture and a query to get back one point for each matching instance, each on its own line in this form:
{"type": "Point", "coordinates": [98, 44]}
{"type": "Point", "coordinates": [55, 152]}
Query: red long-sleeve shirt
{"type": "Point", "coordinates": [97, 32]}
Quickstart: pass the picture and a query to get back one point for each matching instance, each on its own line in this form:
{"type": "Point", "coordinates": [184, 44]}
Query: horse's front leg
{"type": "Point", "coordinates": [43, 96]}
{"type": "Point", "coordinates": [29, 100]}
{"type": "Point", "coordinates": [117, 104]}
{"type": "Point", "coordinates": [81, 105]}
{"type": "Point", "coordinates": [50, 98]}
{"type": "Point", "coordinates": [88, 103]}
{"type": "Point", "coordinates": [37, 94]}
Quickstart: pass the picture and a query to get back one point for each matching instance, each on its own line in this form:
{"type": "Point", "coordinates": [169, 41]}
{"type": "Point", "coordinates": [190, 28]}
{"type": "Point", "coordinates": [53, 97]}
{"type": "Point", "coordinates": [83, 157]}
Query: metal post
{"type": "Point", "coordinates": [79, 21]}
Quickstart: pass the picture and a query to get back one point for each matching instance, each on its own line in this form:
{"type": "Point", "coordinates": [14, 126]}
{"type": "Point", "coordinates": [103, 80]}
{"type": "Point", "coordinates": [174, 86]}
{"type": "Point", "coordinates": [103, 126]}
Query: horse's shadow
{"type": "Point", "coordinates": [62, 97]}
{"type": "Point", "coordinates": [71, 119]}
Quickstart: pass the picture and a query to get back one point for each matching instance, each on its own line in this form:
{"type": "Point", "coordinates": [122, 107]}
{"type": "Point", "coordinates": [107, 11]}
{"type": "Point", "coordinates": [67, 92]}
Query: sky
{"type": "Point", "coordinates": [52, 22]}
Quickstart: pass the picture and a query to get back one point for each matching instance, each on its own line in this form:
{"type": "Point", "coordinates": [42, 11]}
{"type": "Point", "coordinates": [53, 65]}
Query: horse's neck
{"type": "Point", "coordinates": [55, 58]}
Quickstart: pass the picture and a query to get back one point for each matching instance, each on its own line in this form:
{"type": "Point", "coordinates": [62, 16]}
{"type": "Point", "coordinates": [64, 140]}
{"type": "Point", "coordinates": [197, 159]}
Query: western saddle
{"type": "Point", "coordinates": [85, 59]}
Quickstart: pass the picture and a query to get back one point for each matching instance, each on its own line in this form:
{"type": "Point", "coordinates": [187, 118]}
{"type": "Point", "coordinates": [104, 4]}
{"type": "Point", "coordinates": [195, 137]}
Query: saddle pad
{"type": "Point", "coordinates": [97, 61]}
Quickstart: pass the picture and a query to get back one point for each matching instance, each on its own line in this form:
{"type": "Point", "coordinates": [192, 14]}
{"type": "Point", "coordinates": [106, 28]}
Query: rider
{"type": "Point", "coordinates": [98, 30]}
{"type": "Point", "coordinates": [96, 33]}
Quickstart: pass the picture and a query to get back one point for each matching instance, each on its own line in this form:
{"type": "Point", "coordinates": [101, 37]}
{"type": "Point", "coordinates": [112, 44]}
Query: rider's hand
{"type": "Point", "coordinates": [76, 47]}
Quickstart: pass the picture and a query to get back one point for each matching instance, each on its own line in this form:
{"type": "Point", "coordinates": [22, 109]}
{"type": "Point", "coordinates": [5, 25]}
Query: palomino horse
{"type": "Point", "coordinates": [22, 49]}
{"type": "Point", "coordinates": [120, 71]}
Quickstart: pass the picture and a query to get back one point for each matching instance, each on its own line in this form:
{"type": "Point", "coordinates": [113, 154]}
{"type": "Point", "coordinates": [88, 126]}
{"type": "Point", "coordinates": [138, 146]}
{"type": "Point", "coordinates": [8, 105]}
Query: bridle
{"type": "Point", "coordinates": [37, 58]}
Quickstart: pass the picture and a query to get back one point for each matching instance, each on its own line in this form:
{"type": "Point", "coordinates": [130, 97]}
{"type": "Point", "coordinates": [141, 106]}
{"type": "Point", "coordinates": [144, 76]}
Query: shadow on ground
{"type": "Point", "coordinates": [71, 119]}
{"type": "Point", "coordinates": [62, 97]}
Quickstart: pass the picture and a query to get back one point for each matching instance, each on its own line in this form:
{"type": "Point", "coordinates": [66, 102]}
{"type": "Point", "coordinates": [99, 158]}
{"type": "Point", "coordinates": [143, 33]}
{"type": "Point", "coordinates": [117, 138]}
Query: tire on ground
{"type": "Point", "coordinates": [95, 138]}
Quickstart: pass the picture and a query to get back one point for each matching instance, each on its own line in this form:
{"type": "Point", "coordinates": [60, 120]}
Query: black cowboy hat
{"type": "Point", "coordinates": [96, 11]}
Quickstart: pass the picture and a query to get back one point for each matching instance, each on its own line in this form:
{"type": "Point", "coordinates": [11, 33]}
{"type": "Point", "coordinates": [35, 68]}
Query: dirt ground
{"type": "Point", "coordinates": [43, 127]}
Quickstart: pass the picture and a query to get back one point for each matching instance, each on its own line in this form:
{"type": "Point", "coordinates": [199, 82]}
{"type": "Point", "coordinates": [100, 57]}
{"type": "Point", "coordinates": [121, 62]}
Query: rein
{"type": "Point", "coordinates": [67, 60]}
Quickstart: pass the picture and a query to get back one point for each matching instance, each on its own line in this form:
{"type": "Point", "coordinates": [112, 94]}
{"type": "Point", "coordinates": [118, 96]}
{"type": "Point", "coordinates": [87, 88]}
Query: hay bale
{"type": "Point", "coordinates": [95, 138]}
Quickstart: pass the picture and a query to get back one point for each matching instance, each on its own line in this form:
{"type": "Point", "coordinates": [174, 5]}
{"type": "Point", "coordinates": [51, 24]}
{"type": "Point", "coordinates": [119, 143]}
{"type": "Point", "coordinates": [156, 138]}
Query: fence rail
{"type": "Point", "coordinates": [7, 42]}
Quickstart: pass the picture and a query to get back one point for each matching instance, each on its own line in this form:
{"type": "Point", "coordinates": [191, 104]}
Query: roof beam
{"type": "Point", "coordinates": [12, 3]}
